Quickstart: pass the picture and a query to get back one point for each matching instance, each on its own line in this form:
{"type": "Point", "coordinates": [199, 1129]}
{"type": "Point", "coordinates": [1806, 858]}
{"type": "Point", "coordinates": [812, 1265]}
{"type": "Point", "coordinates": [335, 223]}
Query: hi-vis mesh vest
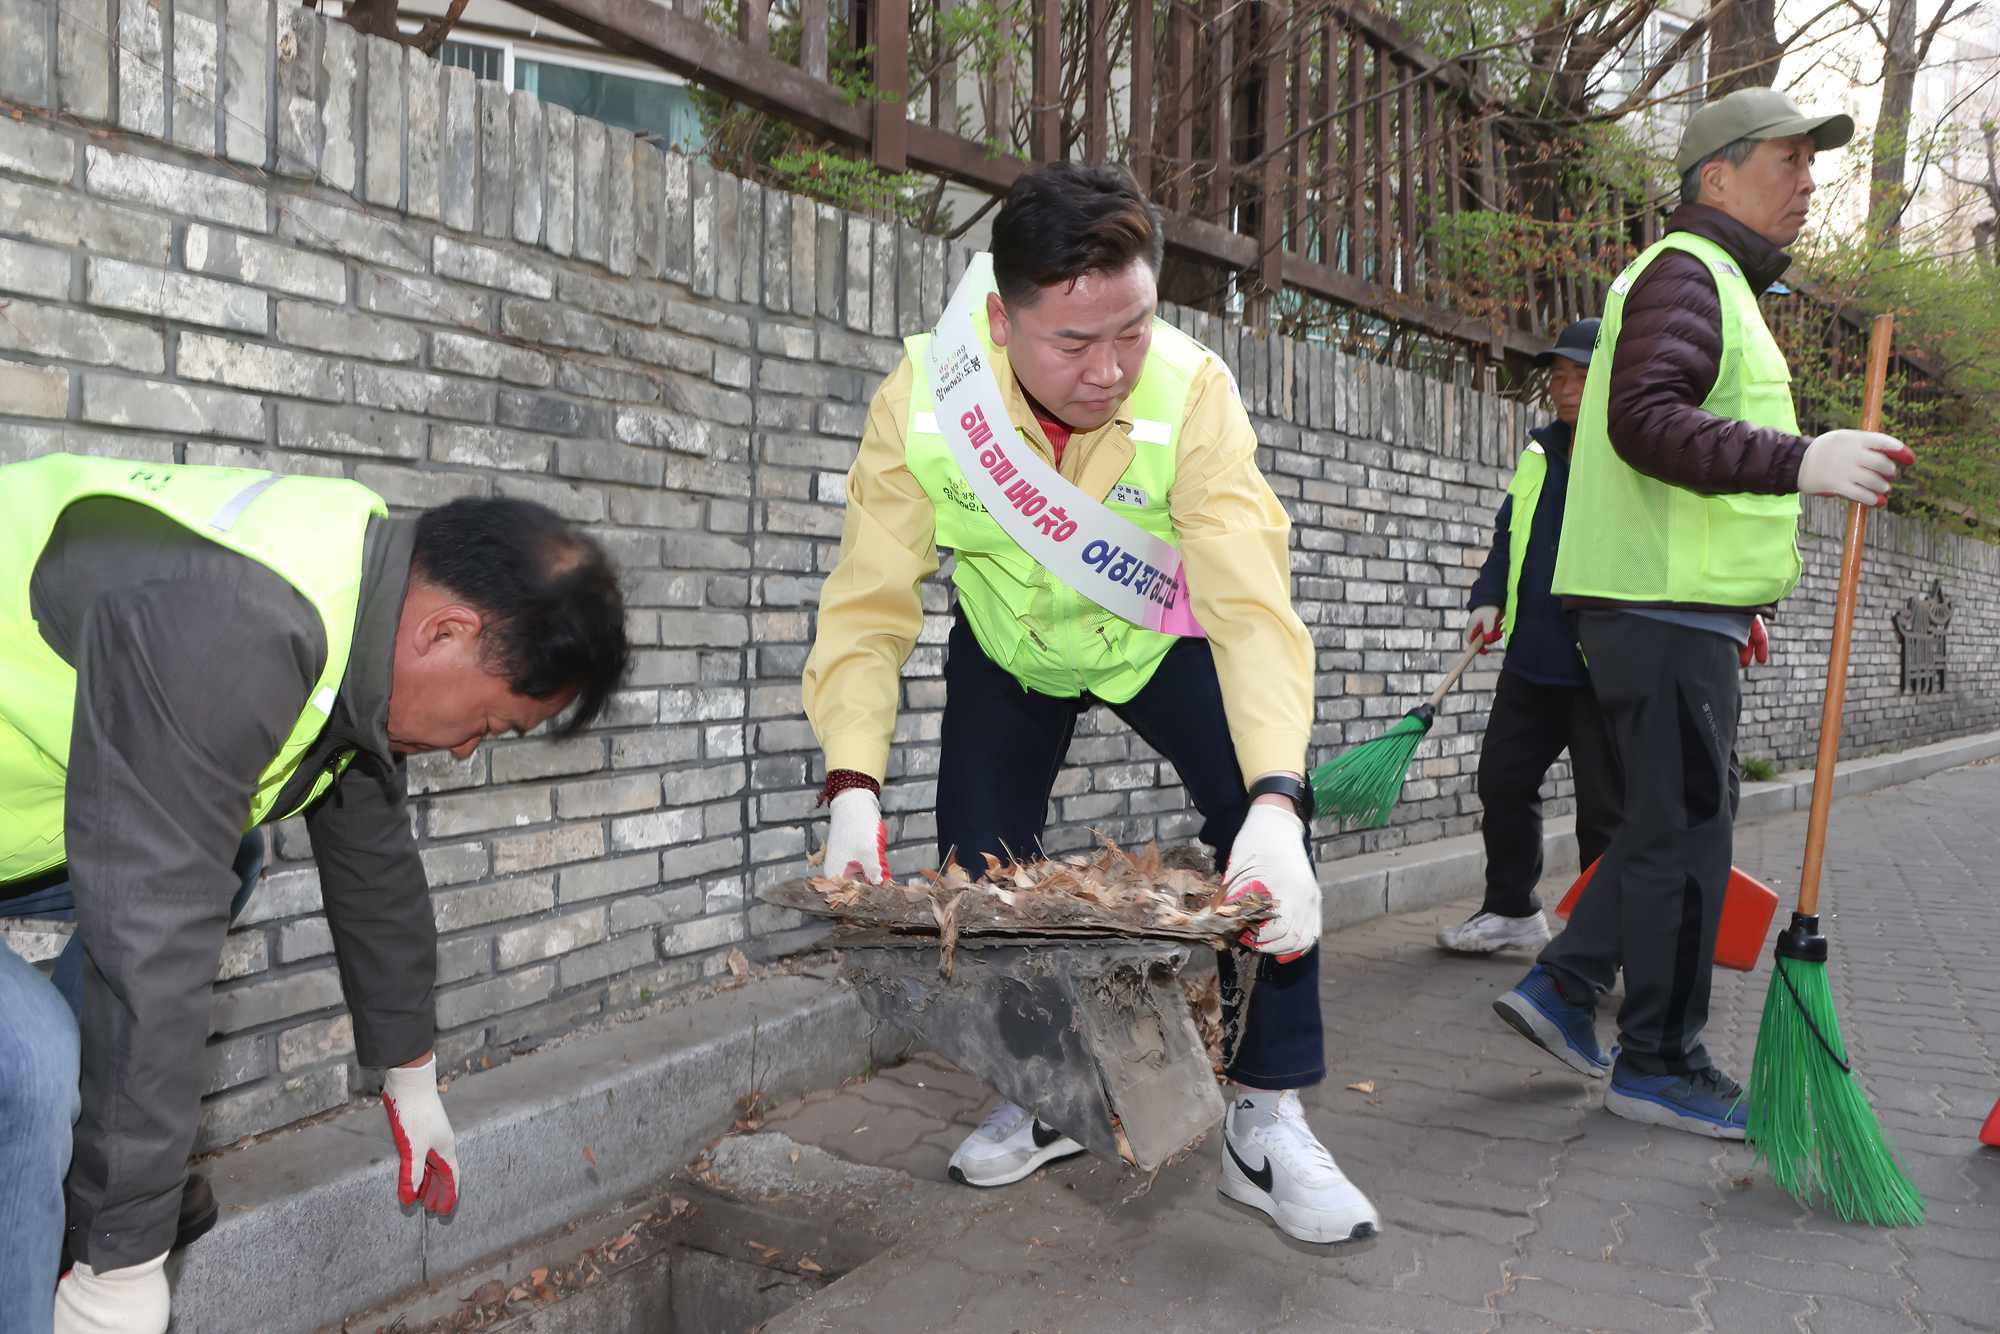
{"type": "Point", "coordinates": [1526, 489]}
{"type": "Point", "coordinates": [1047, 635]}
{"type": "Point", "coordinates": [1632, 538]}
{"type": "Point", "coordinates": [308, 529]}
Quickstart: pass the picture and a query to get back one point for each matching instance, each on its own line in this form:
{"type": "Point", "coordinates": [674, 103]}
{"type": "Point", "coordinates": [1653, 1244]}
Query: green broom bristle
{"type": "Point", "coordinates": [1809, 1117]}
{"type": "Point", "coordinates": [1361, 785]}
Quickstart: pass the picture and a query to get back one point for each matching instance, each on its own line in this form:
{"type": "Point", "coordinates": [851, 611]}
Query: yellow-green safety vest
{"type": "Point", "coordinates": [1047, 635]}
{"type": "Point", "coordinates": [1633, 538]}
{"type": "Point", "coordinates": [1526, 489]}
{"type": "Point", "coordinates": [308, 529]}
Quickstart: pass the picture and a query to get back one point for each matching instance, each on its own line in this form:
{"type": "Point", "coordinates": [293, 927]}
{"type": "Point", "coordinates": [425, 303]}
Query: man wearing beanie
{"type": "Point", "coordinates": [1542, 704]}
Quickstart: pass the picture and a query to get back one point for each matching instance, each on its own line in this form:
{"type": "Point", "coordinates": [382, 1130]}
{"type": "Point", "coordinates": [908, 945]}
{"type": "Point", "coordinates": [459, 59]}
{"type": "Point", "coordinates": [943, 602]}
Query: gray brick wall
{"type": "Point", "coordinates": [326, 255]}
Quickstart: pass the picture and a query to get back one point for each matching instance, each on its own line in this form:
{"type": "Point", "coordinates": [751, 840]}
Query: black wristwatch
{"type": "Point", "coordinates": [1285, 785]}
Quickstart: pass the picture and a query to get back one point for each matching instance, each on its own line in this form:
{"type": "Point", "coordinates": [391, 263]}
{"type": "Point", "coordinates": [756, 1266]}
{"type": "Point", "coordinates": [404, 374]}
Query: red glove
{"type": "Point", "coordinates": [428, 1173]}
{"type": "Point", "coordinates": [1759, 646]}
{"type": "Point", "coordinates": [1486, 627]}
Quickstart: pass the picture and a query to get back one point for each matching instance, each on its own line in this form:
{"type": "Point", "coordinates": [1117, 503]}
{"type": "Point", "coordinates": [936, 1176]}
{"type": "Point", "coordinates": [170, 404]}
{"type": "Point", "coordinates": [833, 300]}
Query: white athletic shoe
{"type": "Point", "coordinates": [1008, 1145]}
{"type": "Point", "coordinates": [1485, 932]}
{"type": "Point", "coordinates": [1282, 1169]}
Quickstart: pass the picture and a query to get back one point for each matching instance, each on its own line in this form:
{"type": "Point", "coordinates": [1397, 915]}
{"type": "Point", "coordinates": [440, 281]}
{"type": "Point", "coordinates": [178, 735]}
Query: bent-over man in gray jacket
{"type": "Point", "coordinates": [186, 653]}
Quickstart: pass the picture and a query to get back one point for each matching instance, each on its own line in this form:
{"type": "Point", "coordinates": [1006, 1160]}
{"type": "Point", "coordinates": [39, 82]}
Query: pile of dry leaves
{"type": "Point", "coordinates": [1111, 893]}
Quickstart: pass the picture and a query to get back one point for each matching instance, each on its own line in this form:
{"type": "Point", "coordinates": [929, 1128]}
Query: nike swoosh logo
{"type": "Point", "coordinates": [1259, 1177]}
{"type": "Point", "coordinates": [1045, 1135]}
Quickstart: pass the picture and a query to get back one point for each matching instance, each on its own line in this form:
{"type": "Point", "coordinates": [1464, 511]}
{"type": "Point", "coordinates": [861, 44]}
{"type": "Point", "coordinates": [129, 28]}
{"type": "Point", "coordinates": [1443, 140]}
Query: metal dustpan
{"type": "Point", "coordinates": [1093, 1035]}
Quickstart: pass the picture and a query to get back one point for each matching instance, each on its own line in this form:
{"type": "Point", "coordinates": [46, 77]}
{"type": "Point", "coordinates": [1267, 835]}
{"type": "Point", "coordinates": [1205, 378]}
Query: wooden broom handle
{"type": "Point", "coordinates": [1843, 629]}
{"type": "Point", "coordinates": [1457, 670]}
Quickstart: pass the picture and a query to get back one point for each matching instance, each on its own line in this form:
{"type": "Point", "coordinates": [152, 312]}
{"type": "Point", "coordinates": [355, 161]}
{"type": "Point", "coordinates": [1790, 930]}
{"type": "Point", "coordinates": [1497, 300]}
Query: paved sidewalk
{"type": "Point", "coordinates": [1510, 1200]}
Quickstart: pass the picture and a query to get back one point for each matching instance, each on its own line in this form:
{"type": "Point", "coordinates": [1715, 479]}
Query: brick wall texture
{"type": "Point", "coordinates": [237, 234]}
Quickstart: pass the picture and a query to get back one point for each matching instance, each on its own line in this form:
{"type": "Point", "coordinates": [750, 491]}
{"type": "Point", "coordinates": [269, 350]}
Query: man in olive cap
{"type": "Point", "coordinates": [1542, 703]}
{"type": "Point", "coordinates": [1681, 529]}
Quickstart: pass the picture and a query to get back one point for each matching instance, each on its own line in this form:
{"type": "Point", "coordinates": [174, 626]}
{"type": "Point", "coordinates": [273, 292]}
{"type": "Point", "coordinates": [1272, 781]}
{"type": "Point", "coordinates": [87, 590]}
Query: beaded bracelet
{"type": "Point", "coordinates": [842, 780]}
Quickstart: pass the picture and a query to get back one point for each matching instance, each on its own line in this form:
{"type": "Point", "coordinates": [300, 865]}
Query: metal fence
{"type": "Point", "coordinates": [1310, 148]}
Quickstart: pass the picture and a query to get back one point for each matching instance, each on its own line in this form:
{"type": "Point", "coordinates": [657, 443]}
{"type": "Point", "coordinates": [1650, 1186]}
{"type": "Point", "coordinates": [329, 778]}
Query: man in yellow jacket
{"type": "Point", "coordinates": [1147, 425]}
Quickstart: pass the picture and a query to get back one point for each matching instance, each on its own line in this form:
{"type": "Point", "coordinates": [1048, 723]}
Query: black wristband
{"type": "Point", "coordinates": [1284, 785]}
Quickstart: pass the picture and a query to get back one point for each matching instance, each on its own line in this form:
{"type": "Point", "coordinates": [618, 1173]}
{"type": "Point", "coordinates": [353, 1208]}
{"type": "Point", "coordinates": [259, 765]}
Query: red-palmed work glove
{"type": "Point", "coordinates": [1269, 858]}
{"type": "Point", "coordinates": [428, 1174]}
{"type": "Point", "coordinates": [1485, 626]}
{"type": "Point", "coordinates": [1759, 646]}
{"type": "Point", "coordinates": [1855, 465]}
{"type": "Point", "coordinates": [857, 842]}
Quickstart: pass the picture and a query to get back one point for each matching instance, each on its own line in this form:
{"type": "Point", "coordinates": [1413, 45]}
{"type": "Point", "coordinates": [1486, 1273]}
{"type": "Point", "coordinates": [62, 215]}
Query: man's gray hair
{"type": "Point", "coordinates": [1735, 153]}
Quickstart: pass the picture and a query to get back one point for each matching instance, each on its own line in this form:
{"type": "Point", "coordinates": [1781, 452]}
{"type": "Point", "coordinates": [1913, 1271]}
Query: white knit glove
{"type": "Point", "coordinates": [122, 1301]}
{"type": "Point", "coordinates": [1269, 858]}
{"type": "Point", "coordinates": [857, 842]}
{"type": "Point", "coordinates": [1856, 465]}
{"type": "Point", "coordinates": [428, 1172]}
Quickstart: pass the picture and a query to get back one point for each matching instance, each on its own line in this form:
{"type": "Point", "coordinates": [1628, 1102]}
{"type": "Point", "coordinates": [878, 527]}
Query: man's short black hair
{"type": "Point", "coordinates": [1065, 220]}
{"type": "Point", "coordinates": [556, 621]}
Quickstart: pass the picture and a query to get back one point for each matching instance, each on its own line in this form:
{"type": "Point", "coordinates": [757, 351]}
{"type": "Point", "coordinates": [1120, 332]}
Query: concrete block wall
{"type": "Point", "coordinates": [234, 233]}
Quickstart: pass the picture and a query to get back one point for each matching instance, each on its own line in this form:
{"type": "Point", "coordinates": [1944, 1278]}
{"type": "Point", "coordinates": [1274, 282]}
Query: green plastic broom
{"type": "Point", "coordinates": [1361, 785]}
{"type": "Point", "coordinates": [1809, 1116]}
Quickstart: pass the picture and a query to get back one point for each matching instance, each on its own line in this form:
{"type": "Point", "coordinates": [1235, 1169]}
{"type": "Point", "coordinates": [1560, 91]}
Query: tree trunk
{"type": "Point", "coordinates": [1743, 48]}
{"type": "Point", "coordinates": [1892, 126]}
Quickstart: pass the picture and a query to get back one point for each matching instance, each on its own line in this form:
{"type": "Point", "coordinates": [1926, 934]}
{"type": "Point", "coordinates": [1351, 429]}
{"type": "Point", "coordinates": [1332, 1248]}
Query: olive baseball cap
{"type": "Point", "coordinates": [1755, 113]}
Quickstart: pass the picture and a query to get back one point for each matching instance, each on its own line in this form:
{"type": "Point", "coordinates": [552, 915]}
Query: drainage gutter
{"type": "Point", "coordinates": [310, 1227]}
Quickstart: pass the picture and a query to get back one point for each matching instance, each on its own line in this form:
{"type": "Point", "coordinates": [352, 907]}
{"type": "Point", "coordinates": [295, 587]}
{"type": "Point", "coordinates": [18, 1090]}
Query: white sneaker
{"type": "Point", "coordinates": [1282, 1169]}
{"type": "Point", "coordinates": [1485, 932]}
{"type": "Point", "coordinates": [1008, 1145]}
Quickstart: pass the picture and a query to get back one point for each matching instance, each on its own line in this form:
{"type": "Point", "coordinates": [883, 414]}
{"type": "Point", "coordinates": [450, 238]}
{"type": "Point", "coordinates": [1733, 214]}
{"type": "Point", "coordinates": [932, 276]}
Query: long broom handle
{"type": "Point", "coordinates": [1843, 630]}
{"type": "Point", "coordinates": [1457, 670]}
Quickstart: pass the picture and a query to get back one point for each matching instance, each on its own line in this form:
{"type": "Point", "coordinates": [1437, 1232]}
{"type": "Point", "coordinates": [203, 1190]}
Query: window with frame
{"type": "Point", "coordinates": [661, 111]}
{"type": "Point", "coordinates": [485, 62]}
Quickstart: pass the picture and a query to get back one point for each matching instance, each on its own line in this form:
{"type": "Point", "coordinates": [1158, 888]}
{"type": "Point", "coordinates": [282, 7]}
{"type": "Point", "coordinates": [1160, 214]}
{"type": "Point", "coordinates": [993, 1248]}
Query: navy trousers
{"type": "Point", "coordinates": [1003, 746]}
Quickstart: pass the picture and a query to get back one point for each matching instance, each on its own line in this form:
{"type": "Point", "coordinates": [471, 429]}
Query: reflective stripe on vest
{"type": "Point", "coordinates": [1051, 638]}
{"type": "Point", "coordinates": [1526, 489]}
{"type": "Point", "coordinates": [308, 529]}
{"type": "Point", "coordinates": [1633, 538]}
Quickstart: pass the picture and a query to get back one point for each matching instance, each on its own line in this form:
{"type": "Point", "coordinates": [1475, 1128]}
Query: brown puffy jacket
{"type": "Point", "coordinates": [1669, 352]}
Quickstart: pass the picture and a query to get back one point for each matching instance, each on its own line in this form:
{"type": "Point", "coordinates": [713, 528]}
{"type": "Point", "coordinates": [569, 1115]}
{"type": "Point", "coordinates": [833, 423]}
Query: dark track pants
{"type": "Point", "coordinates": [1672, 695]}
{"type": "Point", "coordinates": [1530, 726]}
{"type": "Point", "coordinates": [1003, 746]}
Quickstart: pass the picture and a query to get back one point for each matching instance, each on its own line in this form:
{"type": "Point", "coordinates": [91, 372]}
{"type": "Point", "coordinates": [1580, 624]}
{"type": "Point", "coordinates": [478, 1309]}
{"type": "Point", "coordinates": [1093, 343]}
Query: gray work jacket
{"type": "Point", "coordinates": [193, 664]}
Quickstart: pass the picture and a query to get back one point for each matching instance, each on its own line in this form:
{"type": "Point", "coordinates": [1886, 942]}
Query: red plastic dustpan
{"type": "Point", "coordinates": [1747, 908]}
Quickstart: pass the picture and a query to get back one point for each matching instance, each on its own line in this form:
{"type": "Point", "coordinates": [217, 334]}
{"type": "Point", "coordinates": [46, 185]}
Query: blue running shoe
{"type": "Point", "coordinates": [1538, 1012]}
{"type": "Point", "coordinates": [1706, 1102]}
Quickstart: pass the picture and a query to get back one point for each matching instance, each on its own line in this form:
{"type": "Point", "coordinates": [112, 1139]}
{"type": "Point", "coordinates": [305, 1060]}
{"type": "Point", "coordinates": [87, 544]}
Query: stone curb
{"type": "Point", "coordinates": [310, 1229]}
{"type": "Point", "coordinates": [1378, 884]}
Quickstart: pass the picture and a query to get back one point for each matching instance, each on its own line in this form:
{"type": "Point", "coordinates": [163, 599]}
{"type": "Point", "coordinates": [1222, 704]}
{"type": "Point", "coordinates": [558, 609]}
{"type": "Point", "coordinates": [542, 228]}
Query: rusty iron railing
{"type": "Point", "coordinates": [1310, 147]}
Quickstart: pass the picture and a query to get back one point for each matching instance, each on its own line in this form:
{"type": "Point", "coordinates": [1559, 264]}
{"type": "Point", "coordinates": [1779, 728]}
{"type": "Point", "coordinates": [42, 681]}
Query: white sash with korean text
{"type": "Point", "coordinates": [1103, 555]}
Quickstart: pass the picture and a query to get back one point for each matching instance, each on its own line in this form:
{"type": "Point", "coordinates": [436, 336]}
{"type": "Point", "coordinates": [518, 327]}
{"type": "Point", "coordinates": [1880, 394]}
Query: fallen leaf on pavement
{"type": "Point", "coordinates": [739, 965]}
{"type": "Point", "coordinates": [795, 1155]}
{"type": "Point", "coordinates": [1365, 1086]}
{"type": "Point", "coordinates": [492, 1290]}
{"type": "Point", "coordinates": [808, 1266]}
{"type": "Point", "coordinates": [590, 1155]}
